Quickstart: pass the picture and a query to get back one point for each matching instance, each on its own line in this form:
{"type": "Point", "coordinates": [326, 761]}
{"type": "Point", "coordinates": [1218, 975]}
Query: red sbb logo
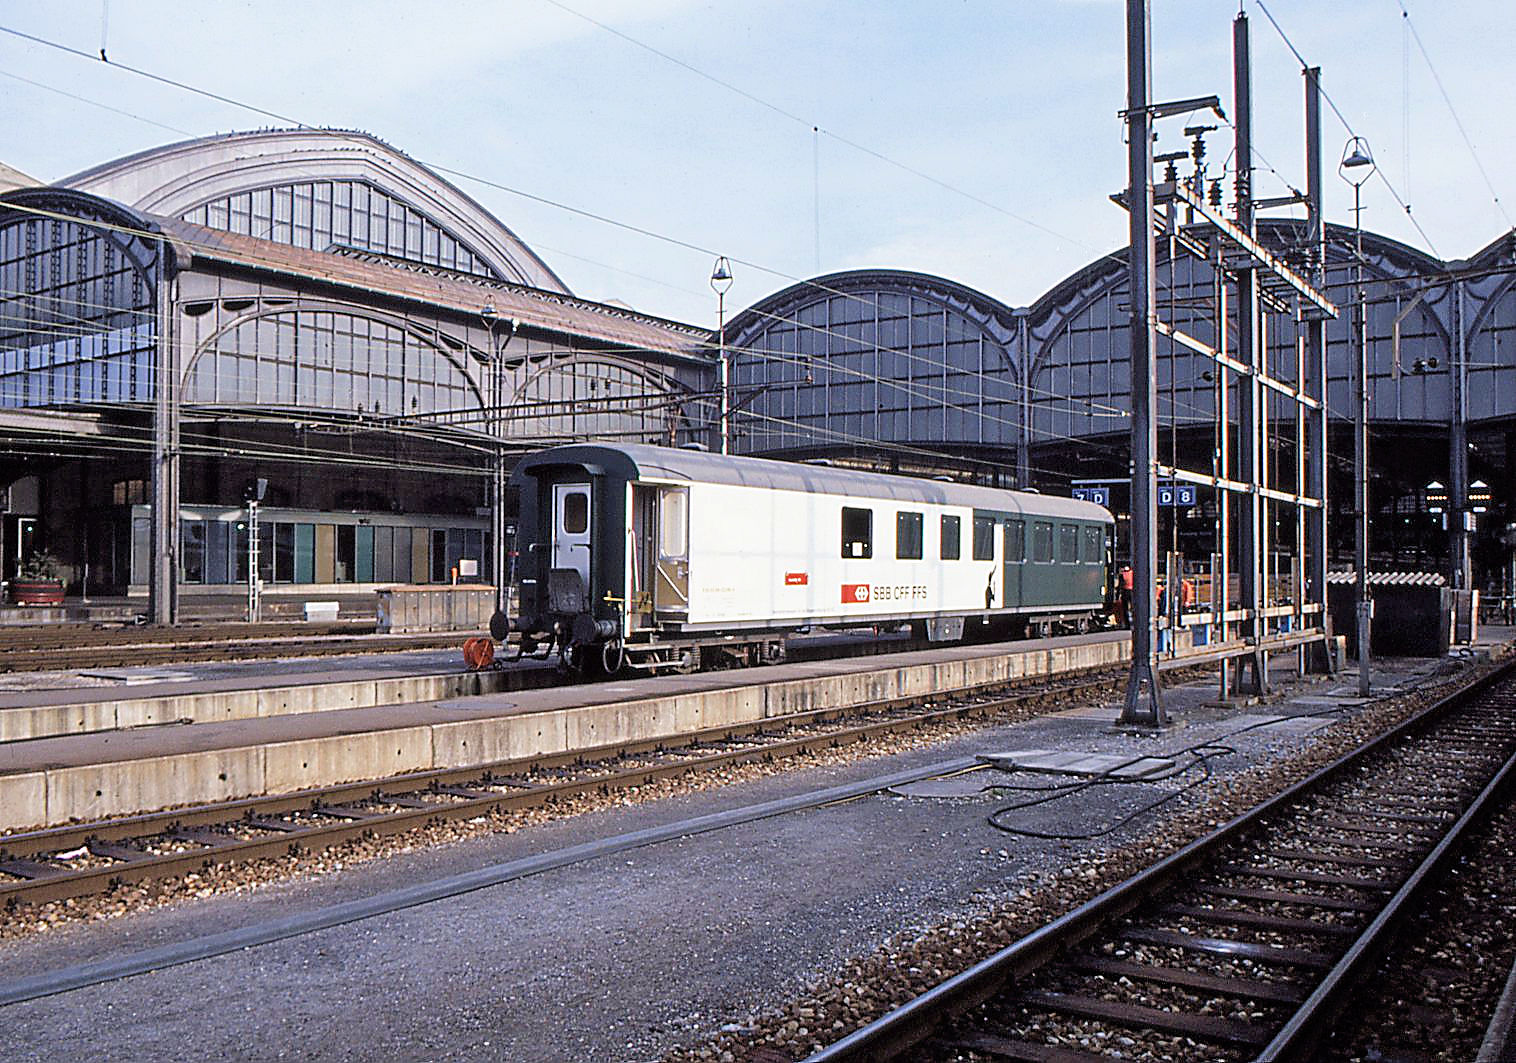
{"type": "Point", "coordinates": [855, 592]}
{"type": "Point", "coordinates": [796, 579]}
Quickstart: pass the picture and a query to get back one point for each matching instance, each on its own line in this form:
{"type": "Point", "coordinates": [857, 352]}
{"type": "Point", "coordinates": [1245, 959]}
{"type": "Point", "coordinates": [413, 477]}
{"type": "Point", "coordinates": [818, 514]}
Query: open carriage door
{"type": "Point", "coordinates": [570, 548]}
{"type": "Point", "coordinates": [671, 580]}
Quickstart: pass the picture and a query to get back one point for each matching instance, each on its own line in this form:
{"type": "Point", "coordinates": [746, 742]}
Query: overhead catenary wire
{"type": "Point", "coordinates": [440, 168]}
{"type": "Point", "coordinates": [818, 130]}
{"type": "Point", "coordinates": [1457, 119]}
{"type": "Point", "coordinates": [1348, 126]}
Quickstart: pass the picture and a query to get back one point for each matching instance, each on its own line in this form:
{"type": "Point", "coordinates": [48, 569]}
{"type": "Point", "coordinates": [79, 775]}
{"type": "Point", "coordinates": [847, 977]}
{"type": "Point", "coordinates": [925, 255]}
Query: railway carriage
{"type": "Point", "coordinates": [654, 558]}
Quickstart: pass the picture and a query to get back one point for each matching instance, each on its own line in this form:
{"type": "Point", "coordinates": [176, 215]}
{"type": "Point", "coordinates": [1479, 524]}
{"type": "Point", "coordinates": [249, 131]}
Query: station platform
{"type": "Point", "coordinates": [400, 723]}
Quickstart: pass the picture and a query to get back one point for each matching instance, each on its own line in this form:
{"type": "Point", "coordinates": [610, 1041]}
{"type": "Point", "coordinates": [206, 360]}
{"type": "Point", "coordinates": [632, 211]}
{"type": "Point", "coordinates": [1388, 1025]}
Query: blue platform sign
{"type": "Point", "coordinates": [1181, 495]}
{"type": "Point", "coordinates": [1101, 496]}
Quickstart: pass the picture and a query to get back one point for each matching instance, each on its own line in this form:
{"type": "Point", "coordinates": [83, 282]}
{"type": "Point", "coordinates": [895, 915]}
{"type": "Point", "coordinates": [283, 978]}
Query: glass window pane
{"type": "Point", "coordinates": [984, 538]}
{"type": "Point", "coordinates": [952, 538]}
{"type": "Point", "coordinates": [305, 553]}
{"type": "Point", "coordinates": [857, 532]}
{"type": "Point", "coordinates": [908, 536]}
{"type": "Point", "coordinates": [364, 553]}
{"type": "Point", "coordinates": [576, 512]}
{"type": "Point", "coordinates": [1042, 541]}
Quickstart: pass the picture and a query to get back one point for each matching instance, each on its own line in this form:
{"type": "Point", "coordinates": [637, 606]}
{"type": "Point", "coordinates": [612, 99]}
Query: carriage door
{"type": "Point", "coordinates": [571, 531]}
{"type": "Point", "coordinates": [671, 579]}
{"type": "Point", "coordinates": [644, 557]}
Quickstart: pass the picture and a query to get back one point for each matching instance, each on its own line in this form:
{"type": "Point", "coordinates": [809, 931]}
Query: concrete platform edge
{"type": "Point", "coordinates": [55, 796]}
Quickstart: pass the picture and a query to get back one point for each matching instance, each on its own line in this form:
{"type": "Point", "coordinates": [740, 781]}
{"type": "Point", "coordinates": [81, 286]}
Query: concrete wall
{"type": "Point", "coordinates": [44, 721]}
{"type": "Point", "coordinates": [56, 795]}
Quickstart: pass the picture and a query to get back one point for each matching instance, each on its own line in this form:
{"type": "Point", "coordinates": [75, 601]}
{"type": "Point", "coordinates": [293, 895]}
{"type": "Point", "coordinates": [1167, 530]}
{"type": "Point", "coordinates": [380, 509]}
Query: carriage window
{"type": "Point", "coordinates": [1068, 543]}
{"type": "Point", "coordinates": [908, 536]}
{"type": "Point", "coordinates": [1042, 541]}
{"type": "Point", "coordinates": [576, 512]}
{"type": "Point", "coordinates": [673, 522]}
{"type": "Point", "coordinates": [1092, 544]}
{"type": "Point", "coordinates": [857, 532]}
{"type": "Point", "coordinates": [984, 538]}
{"type": "Point", "coordinates": [1015, 541]}
{"type": "Point", "coordinates": [952, 539]}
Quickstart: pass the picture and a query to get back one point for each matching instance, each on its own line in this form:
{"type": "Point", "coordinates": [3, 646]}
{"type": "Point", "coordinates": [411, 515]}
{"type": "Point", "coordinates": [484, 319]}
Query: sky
{"type": "Point", "coordinates": [977, 140]}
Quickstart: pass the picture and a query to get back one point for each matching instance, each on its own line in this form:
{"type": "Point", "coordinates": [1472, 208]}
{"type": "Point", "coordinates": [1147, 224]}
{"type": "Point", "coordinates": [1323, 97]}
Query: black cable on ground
{"type": "Point", "coordinates": [1201, 754]}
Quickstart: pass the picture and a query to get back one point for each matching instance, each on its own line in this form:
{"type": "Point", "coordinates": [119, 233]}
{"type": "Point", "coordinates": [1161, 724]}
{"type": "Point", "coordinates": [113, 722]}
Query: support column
{"type": "Point", "coordinates": [1024, 427]}
{"type": "Point", "coordinates": [1316, 371]}
{"type": "Point", "coordinates": [1144, 703]}
{"type": "Point", "coordinates": [163, 565]}
{"type": "Point", "coordinates": [1252, 670]}
{"type": "Point", "coordinates": [1460, 515]}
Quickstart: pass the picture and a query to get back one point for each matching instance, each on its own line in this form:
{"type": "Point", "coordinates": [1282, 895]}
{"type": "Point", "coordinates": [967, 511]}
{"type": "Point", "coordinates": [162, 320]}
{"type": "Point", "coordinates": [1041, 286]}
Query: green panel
{"type": "Point", "coordinates": [364, 554]}
{"type": "Point", "coordinates": [305, 553]}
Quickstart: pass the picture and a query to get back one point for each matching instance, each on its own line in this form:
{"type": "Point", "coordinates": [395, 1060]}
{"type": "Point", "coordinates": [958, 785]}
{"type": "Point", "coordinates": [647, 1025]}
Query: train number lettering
{"type": "Point", "coordinates": [857, 593]}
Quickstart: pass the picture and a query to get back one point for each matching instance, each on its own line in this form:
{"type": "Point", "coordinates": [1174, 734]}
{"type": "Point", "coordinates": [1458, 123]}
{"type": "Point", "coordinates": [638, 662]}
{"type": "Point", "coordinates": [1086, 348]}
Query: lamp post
{"type": "Point", "coordinates": [1357, 166]}
{"type": "Point", "coordinates": [496, 429]}
{"type": "Point", "coordinates": [721, 280]}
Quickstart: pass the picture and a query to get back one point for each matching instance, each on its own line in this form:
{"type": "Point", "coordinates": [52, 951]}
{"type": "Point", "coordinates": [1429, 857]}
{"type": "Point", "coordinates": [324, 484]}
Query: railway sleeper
{"type": "Point", "coordinates": [999, 1046]}
{"type": "Point", "coordinates": [31, 869]}
{"type": "Point", "coordinates": [1243, 950]}
{"type": "Point", "coordinates": [1196, 981]}
{"type": "Point", "coordinates": [1201, 1027]}
{"type": "Point", "coordinates": [1255, 920]}
{"type": "Point", "coordinates": [1309, 900]}
{"type": "Point", "coordinates": [110, 851]}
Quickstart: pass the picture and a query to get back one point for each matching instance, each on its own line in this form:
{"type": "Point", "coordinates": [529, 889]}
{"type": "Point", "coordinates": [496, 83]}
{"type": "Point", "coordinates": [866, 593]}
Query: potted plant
{"type": "Point", "coordinates": [37, 581]}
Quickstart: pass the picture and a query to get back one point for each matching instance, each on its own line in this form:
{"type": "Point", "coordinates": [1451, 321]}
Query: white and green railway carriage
{"type": "Point", "coordinates": [650, 555]}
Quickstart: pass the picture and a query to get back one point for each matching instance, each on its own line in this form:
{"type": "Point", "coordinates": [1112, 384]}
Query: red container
{"type": "Point", "coordinates": [37, 591]}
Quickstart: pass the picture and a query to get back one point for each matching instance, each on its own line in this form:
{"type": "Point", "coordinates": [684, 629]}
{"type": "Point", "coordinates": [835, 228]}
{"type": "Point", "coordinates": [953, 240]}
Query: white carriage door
{"type": "Point", "coordinates": [571, 529]}
{"type": "Point", "coordinates": [671, 587]}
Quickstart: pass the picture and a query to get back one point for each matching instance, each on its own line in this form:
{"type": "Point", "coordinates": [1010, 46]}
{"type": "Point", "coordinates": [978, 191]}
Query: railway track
{"type": "Point", "coordinates": [83, 859]}
{"type": "Point", "coordinates": [1246, 943]}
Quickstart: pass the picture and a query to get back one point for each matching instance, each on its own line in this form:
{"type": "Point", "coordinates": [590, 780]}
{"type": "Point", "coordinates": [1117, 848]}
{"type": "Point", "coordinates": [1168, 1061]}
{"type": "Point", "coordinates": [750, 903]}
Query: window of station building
{"type": "Point", "coordinates": [129, 492]}
{"type": "Point", "coordinates": [439, 555]}
{"type": "Point", "coordinates": [952, 538]}
{"type": "Point", "coordinates": [363, 554]}
{"type": "Point", "coordinates": [908, 536]}
{"type": "Point", "coordinates": [857, 532]}
{"type": "Point", "coordinates": [95, 283]}
{"type": "Point", "coordinates": [1015, 541]}
{"type": "Point", "coordinates": [192, 551]}
{"type": "Point", "coordinates": [403, 570]}
{"type": "Point", "coordinates": [318, 214]}
{"type": "Point", "coordinates": [284, 553]}
{"type": "Point", "coordinates": [384, 554]}
{"type": "Point", "coordinates": [331, 361]}
{"type": "Point", "coordinates": [1068, 543]}
{"type": "Point", "coordinates": [347, 554]}
{"type": "Point", "coordinates": [1042, 541]}
{"type": "Point", "coordinates": [1093, 544]}
{"type": "Point", "coordinates": [266, 552]}
{"type": "Point", "coordinates": [218, 547]}
{"type": "Point", "coordinates": [984, 538]}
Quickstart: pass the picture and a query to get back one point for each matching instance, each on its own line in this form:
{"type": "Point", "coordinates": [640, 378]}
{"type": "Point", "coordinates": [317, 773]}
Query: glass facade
{"type": "Point", "coordinates": [309, 549]}
{"type": "Point", "coordinates": [585, 397]}
{"type": "Point", "coordinates": [871, 364]}
{"type": "Point", "coordinates": [331, 361]}
{"type": "Point", "coordinates": [322, 214]}
{"type": "Point", "coordinates": [77, 315]}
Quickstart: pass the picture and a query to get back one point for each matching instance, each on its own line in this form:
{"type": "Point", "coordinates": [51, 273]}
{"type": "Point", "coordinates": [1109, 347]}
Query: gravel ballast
{"type": "Point", "coordinates": [775, 930]}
